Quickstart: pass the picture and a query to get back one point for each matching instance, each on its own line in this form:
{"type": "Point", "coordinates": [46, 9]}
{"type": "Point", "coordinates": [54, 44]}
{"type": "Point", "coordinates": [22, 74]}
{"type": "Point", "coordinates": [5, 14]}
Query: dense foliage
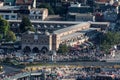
{"type": "Point", "coordinates": [109, 40]}
{"type": "Point", "coordinates": [10, 36]}
{"type": "Point", "coordinates": [25, 25]}
{"type": "Point", "coordinates": [4, 26]}
{"type": "Point", "coordinates": [5, 32]}
{"type": "Point", "coordinates": [63, 48]}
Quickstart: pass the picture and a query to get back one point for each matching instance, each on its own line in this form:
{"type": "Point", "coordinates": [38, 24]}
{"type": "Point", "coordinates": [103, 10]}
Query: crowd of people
{"type": "Point", "coordinates": [76, 55]}
{"type": "Point", "coordinates": [68, 72]}
{"type": "Point", "coordinates": [62, 73]}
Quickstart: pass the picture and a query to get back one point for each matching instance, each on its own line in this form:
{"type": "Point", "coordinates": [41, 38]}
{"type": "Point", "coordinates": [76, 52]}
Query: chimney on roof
{"type": "Point", "coordinates": [34, 3]}
{"type": "Point", "coordinates": [25, 1]}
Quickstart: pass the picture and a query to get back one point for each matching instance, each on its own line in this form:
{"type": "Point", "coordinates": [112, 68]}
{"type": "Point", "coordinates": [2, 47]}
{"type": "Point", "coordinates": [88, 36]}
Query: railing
{"type": "Point", "coordinates": [21, 75]}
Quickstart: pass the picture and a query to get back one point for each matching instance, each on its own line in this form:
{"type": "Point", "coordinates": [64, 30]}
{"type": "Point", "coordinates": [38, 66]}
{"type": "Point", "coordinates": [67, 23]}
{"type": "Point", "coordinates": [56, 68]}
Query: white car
{"type": "Point", "coordinates": [30, 60]}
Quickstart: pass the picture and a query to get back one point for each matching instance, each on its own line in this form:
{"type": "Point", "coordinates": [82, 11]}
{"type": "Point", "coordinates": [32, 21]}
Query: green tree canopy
{"type": "Point", "coordinates": [110, 39]}
{"type": "Point", "coordinates": [4, 26]}
{"type": "Point", "coordinates": [25, 25]}
{"type": "Point", "coordinates": [10, 36]}
{"type": "Point", "coordinates": [1, 36]}
{"type": "Point", "coordinates": [45, 5]}
{"type": "Point", "coordinates": [63, 48]}
{"type": "Point", "coordinates": [61, 10]}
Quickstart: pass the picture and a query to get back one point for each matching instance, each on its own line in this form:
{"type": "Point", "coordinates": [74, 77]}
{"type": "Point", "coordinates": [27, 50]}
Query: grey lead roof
{"type": "Point", "coordinates": [71, 35]}
{"type": "Point", "coordinates": [70, 28]}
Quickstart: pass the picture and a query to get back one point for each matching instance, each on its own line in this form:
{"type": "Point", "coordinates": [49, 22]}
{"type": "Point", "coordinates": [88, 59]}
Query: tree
{"type": "Point", "coordinates": [25, 25]}
{"type": "Point", "coordinates": [63, 48]}
{"type": "Point", "coordinates": [110, 39]}
{"type": "Point", "coordinates": [61, 10]}
{"type": "Point", "coordinates": [45, 5]}
{"type": "Point", "coordinates": [4, 26]}
{"type": "Point", "coordinates": [1, 36]}
{"type": "Point", "coordinates": [5, 31]}
{"type": "Point", "coordinates": [10, 36]}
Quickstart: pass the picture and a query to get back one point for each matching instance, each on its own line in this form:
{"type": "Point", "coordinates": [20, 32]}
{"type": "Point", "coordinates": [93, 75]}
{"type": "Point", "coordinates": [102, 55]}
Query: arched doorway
{"type": "Point", "coordinates": [35, 50]}
{"type": "Point", "coordinates": [27, 49]}
{"type": "Point", "coordinates": [44, 49]}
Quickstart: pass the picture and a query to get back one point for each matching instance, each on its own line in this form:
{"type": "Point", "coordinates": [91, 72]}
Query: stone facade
{"type": "Point", "coordinates": [37, 41]}
{"type": "Point", "coordinates": [46, 41]}
{"type": "Point", "coordinates": [71, 36]}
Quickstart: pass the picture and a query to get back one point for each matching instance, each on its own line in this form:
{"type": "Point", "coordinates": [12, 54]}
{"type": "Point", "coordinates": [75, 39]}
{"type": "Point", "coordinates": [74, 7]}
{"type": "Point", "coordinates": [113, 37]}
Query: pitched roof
{"type": "Point", "coordinates": [23, 2]}
{"type": "Point", "coordinates": [82, 9]}
{"type": "Point", "coordinates": [102, 0]}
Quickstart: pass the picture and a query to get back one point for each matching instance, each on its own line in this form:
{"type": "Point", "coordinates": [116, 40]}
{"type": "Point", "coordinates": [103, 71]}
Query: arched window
{"type": "Point", "coordinates": [27, 49]}
{"type": "Point", "coordinates": [35, 50]}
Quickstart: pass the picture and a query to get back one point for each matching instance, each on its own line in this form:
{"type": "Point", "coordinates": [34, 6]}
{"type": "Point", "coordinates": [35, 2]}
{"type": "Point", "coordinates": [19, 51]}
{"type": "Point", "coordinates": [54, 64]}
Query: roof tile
{"type": "Point", "coordinates": [19, 2]}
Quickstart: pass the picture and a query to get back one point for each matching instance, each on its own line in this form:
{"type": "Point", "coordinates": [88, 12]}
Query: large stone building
{"type": "Point", "coordinates": [68, 35]}
{"type": "Point", "coordinates": [45, 41]}
{"type": "Point", "coordinates": [36, 41]}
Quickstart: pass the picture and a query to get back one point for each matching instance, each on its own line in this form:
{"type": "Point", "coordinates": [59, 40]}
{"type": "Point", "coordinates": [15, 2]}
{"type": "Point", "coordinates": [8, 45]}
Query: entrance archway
{"type": "Point", "coordinates": [44, 49]}
{"type": "Point", "coordinates": [27, 49]}
{"type": "Point", "coordinates": [35, 50]}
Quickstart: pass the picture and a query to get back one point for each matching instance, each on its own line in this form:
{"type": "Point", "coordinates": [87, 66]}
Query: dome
{"type": "Point", "coordinates": [47, 33]}
{"type": "Point", "coordinates": [30, 32]}
{"type": "Point", "coordinates": [38, 32]}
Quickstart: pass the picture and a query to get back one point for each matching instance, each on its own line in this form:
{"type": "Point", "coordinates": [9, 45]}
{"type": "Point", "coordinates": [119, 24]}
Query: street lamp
{"type": "Point", "coordinates": [30, 74]}
{"type": "Point", "coordinates": [53, 57]}
{"type": "Point", "coordinates": [1, 68]}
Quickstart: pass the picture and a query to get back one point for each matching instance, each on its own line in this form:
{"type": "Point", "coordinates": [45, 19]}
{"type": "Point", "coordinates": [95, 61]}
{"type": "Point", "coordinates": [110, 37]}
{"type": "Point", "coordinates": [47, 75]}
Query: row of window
{"type": "Point", "coordinates": [35, 41]}
{"type": "Point", "coordinates": [35, 17]}
{"type": "Point", "coordinates": [73, 40]}
{"type": "Point", "coordinates": [9, 16]}
{"type": "Point", "coordinates": [85, 19]}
